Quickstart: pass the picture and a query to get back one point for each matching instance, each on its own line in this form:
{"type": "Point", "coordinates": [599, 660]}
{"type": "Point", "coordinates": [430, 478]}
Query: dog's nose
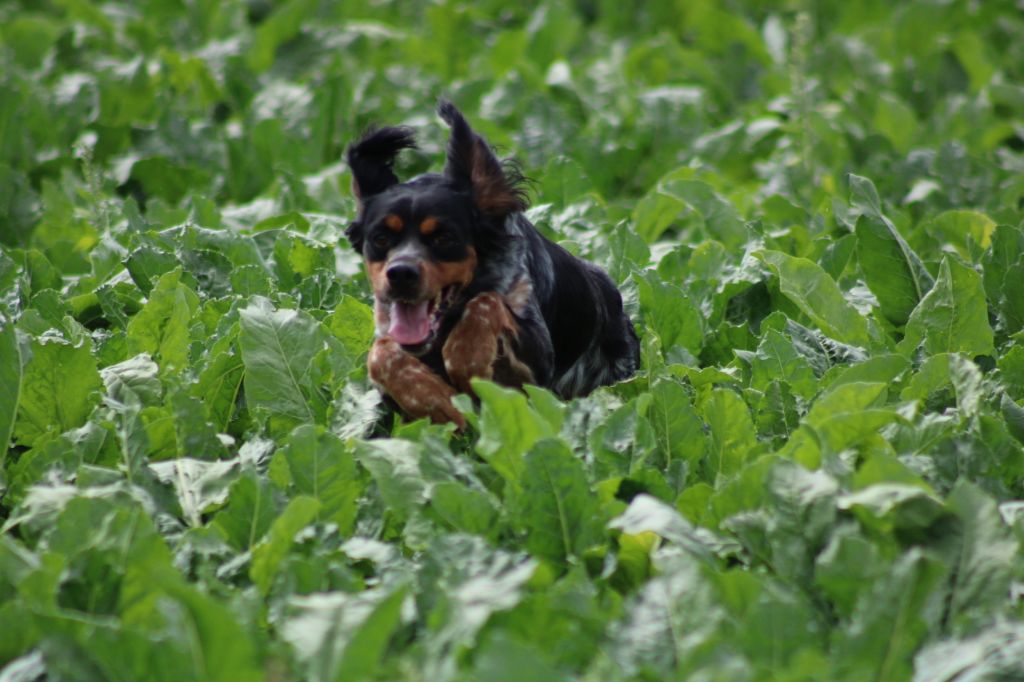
{"type": "Point", "coordinates": [403, 275]}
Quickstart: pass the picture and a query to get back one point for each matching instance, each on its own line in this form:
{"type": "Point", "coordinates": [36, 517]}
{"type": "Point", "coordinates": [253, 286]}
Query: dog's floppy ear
{"type": "Point", "coordinates": [497, 188]}
{"type": "Point", "coordinates": [372, 160]}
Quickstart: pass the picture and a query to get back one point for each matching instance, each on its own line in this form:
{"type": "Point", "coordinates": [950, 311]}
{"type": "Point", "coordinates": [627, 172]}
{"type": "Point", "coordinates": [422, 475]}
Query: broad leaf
{"type": "Point", "coordinates": [556, 508]}
{"type": "Point", "coordinates": [818, 296]}
{"type": "Point", "coordinates": [953, 316]}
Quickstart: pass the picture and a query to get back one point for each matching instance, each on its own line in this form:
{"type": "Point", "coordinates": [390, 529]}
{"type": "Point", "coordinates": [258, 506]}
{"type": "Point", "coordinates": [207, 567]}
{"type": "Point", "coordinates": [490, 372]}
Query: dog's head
{"type": "Point", "coordinates": [423, 240]}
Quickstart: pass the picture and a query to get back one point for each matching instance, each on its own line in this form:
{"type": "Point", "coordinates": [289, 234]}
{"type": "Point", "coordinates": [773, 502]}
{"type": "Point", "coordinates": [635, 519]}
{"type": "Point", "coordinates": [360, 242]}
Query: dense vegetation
{"type": "Point", "coordinates": [814, 210]}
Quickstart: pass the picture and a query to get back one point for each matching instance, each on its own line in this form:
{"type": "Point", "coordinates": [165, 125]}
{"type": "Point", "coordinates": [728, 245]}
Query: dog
{"type": "Point", "coordinates": [465, 286]}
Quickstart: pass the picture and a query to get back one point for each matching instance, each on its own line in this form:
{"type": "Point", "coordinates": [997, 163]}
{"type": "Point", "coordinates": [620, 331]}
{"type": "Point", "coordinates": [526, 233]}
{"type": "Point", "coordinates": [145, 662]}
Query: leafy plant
{"type": "Point", "coordinates": [814, 213]}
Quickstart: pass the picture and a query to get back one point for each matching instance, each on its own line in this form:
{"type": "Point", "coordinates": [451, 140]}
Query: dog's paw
{"type": "Point", "coordinates": [411, 384]}
{"type": "Point", "coordinates": [478, 340]}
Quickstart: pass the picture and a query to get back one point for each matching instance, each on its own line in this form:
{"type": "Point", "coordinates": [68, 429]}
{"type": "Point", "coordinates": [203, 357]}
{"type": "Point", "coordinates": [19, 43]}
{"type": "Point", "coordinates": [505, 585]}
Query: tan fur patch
{"type": "Point", "coordinates": [481, 343]}
{"type": "Point", "coordinates": [492, 191]}
{"type": "Point", "coordinates": [394, 222]}
{"type": "Point", "coordinates": [417, 390]}
{"type": "Point", "coordinates": [375, 270]}
{"type": "Point", "coordinates": [428, 226]}
{"type": "Point", "coordinates": [438, 275]}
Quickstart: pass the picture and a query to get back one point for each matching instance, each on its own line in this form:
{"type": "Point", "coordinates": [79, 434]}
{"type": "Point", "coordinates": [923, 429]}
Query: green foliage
{"type": "Point", "coordinates": [814, 215]}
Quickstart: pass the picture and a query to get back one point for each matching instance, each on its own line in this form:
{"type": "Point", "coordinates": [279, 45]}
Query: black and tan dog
{"type": "Point", "coordinates": [465, 286]}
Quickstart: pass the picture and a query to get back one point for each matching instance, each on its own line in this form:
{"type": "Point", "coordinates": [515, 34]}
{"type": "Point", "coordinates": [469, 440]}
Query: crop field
{"type": "Point", "coordinates": [814, 210]}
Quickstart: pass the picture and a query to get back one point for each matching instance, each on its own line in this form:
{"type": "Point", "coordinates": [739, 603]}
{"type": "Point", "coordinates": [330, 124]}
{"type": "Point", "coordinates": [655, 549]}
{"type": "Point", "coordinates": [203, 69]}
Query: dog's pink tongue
{"type": "Point", "coordinates": [410, 323]}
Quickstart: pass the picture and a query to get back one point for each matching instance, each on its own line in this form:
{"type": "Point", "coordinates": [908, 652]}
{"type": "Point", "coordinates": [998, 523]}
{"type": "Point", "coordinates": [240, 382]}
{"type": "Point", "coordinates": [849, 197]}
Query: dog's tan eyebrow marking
{"type": "Point", "coordinates": [394, 222]}
{"type": "Point", "coordinates": [428, 225]}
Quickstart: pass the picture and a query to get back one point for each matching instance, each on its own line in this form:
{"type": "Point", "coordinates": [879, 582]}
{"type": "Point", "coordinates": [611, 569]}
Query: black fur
{"type": "Point", "coordinates": [573, 332]}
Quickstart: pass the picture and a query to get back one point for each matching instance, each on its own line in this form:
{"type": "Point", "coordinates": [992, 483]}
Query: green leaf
{"type": "Point", "coordinates": [777, 359]}
{"type": "Point", "coordinates": [818, 296]}
{"type": "Point", "coordinates": [368, 644]}
{"type": "Point", "coordinates": [463, 582]}
{"type": "Point", "coordinates": [555, 507]}
{"type": "Point", "coordinates": [198, 485]}
{"type": "Point", "coordinates": [468, 510]}
{"type": "Point", "coordinates": [10, 376]}
{"type": "Point", "coordinates": [984, 561]}
{"type": "Point", "coordinates": [966, 230]}
{"type": "Point", "coordinates": [647, 514]}
{"type": "Point", "coordinates": [323, 468]}
{"type": "Point", "coordinates": [352, 324]}
{"type": "Point", "coordinates": [995, 653]}
{"type": "Point", "coordinates": [721, 220]}
{"type": "Point", "coordinates": [679, 599]}
{"type": "Point", "coordinates": [845, 569]}
{"type": "Point", "coordinates": [268, 554]}
{"type": "Point", "coordinates": [888, 505]}
{"type": "Point", "coordinates": [343, 636]}
{"type": "Point", "coordinates": [884, 368]}
{"type": "Point", "coordinates": [395, 465]}
{"type": "Point", "coordinates": [893, 272]}
{"type": "Point", "coordinates": [278, 347]}
{"type": "Point", "coordinates": [895, 119]}
{"type": "Point", "coordinates": [509, 427]}
{"type": "Point", "coordinates": [161, 328]}
{"type": "Point", "coordinates": [733, 437]}
{"type": "Point", "coordinates": [59, 387]}
{"type": "Point", "coordinates": [219, 383]}
{"type": "Point", "coordinates": [670, 313]}
{"type": "Point", "coordinates": [953, 316]}
{"type": "Point", "coordinates": [219, 645]}
{"type": "Point", "coordinates": [678, 430]}
{"type": "Point", "coordinates": [250, 510]}
{"type": "Point", "coordinates": [505, 659]}
{"type": "Point", "coordinates": [1007, 248]}
{"type": "Point", "coordinates": [890, 621]}
{"type": "Point", "coordinates": [1012, 306]}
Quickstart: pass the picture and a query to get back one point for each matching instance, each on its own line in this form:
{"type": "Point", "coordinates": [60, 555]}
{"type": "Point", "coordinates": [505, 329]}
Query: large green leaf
{"type": "Point", "coordinates": [340, 636]}
{"type": "Point", "coordinates": [983, 561]}
{"type": "Point", "coordinates": [268, 554]}
{"type": "Point", "coordinates": [509, 427]}
{"type": "Point", "coordinates": [556, 508]}
{"type": "Point", "coordinates": [323, 468]}
{"type": "Point", "coordinates": [670, 313]}
{"type": "Point", "coordinates": [733, 438]}
{"type": "Point", "coordinates": [59, 388]}
{"type": "Point", "coordinates": [395, 466]}
{"type": "Point", "coordinates": [162, 327]}
{"type": "Point", "coordinates": [889, 622]}
{"type": "Point", "coordinates": [278, 347]}
{"type": "Point", "coordinates": [250, 511]}
{"type": "Point", "coordinates": [818, 296]}
{"type": "Point", "coordinates": [953, 316]}
{"type": "Point", "coordinates": [678, 430]}
{"type": "Point", "coordinates": [893, 272]}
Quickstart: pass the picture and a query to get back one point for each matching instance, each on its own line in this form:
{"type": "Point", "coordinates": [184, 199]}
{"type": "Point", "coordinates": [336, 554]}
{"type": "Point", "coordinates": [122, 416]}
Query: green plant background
{"type": "Point", "coordinates": [813, 210]}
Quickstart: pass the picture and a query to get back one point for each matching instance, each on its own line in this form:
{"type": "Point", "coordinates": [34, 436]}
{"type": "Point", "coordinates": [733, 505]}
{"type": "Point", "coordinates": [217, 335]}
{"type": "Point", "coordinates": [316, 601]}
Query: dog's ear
{"type": "Point", "coordinates": [372, 160]}
{"type": "Point", "coordinates": [497, 188]}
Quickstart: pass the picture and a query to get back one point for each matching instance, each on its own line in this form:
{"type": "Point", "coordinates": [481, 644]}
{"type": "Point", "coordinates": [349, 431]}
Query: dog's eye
{"type": "Point", "coordinates": [381, 240]}
{"type": "Point", "coordinates": [444, 239]}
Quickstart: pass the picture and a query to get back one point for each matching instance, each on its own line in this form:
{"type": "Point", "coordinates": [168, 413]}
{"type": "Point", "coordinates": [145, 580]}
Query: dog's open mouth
{"type": "Point", "coordinates": [413, 323]}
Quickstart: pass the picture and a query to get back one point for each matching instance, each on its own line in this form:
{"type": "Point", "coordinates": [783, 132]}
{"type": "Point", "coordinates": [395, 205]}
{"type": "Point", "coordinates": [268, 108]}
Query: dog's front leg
{"type": "Point", "coordinates": [418, 391]}
{"type": "Point", "coordinates": [482, 345]}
